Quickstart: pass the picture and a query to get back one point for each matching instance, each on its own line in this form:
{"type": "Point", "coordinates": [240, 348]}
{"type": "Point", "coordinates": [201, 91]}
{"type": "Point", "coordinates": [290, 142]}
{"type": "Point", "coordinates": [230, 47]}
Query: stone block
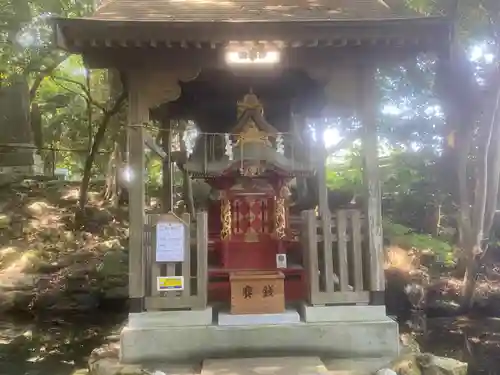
{"type": "Point", "coordinates": [161, 319]}
{"type": "Point", "coordinates": [427, 364]}
{"type": "Point", "coordinates": [348, 339]}
{"type": "Point", "coordinates": [356, 366]}
{"type": "Point", "coordinates": [316, 314]}
{"type": "Point", "coordinates": [268, 366]}
{"type": "Point", "coordinates": [288, 317]}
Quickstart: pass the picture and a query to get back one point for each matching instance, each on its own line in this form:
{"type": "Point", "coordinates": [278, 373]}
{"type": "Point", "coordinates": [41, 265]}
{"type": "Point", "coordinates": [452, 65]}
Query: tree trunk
{"type": "Point", "coordinates": [470, 277]}
{"type": "Point", "coordinates": [89, 162]}
{"type": "Point", "coordinates": [89, 109]}
{"type": "Point", "coordinates": [485, 195]}
{"type": "Point", "coordinates": [113, 185]}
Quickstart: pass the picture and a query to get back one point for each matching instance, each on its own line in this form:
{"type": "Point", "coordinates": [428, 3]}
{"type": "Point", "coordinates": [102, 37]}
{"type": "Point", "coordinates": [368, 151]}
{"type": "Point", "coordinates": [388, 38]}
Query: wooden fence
{"type": "Point", "coordinates": [193, 269]}
{"type": "Point", "coordinates": [336, 261]}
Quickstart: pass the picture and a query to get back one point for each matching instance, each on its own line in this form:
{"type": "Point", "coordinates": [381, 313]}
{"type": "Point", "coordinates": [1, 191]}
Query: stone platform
{"type": "Point", "coordinates": [109, 365]}
{"type": "Point", "coordinates": [196, 335]}
{"type": "Point", "coordinates": [104, 361]}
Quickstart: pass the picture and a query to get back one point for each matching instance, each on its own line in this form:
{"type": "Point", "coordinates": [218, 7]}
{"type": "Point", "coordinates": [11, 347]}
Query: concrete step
{"type": "Point", "coordinates": [293, 366]}
{"type": "Point", "coordinates": [265, 366]}
{"type": "Point", "coordinates": [356, 366]}
{"type": "Point", "coordinates": [246, 366]}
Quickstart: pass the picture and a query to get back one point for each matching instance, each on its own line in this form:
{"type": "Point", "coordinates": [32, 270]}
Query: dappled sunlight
{"type": "Point", "coordinates": [24, 263]}
{"type": "Point", "coordinates": [53, 346]}
{"type": "Point", "coordinates": [476, 341]}
{"type": "Point", "coordinates": [38, 208]}
{"type": "Point", "coordinates": [45, 256]}
{"type": "Point", "coordinates": [71, 194]}
{"type": "Point", "coordinates": [7, 254]}
{"type": "Point", "coordinates": [400, 259]}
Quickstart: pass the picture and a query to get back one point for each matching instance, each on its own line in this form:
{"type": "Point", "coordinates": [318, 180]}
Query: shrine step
{"type": "Point", "coordinates": [246, 366]}
{"type": "Point", "coordinates": [293, 366]}
{"type": "Point", "coordinates": [356, 366]}
{"type": "Point", "coordinates": [265, 366]}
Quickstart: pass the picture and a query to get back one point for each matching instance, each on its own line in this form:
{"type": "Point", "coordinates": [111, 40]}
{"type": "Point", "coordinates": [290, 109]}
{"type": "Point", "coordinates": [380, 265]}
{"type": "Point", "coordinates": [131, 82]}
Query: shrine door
{"type": "Point", "coordinates": [254, 247]}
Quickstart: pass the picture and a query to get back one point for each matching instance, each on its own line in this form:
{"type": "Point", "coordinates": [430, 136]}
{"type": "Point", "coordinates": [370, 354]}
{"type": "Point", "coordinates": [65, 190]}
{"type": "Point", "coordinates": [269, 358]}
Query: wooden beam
{"type": "Point", "coordinates": [292, 58]}
{"type": "Point", "coordinates": [434, 30]}
{"type": "Point", "coordinates": [368, 113]}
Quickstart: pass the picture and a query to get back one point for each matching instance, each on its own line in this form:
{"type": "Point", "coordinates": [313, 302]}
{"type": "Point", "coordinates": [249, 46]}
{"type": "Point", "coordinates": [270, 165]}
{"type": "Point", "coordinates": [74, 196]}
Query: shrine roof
{"type": "Point", "coordinates": [295, 23]}
{"type": "Point", "coordinates": [250, 10]}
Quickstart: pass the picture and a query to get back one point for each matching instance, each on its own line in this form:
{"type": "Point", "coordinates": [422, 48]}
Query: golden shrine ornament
{"type": "Point", "coordinates": [252, 134]}
{"type": "Point", "coordinates": [251, 171]}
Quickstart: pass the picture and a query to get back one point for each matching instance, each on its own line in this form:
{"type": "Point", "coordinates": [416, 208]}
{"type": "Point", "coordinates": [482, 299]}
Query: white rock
{"type": "Point", "coordinates": [449, 366]}
{"type": "Point", "coordinates": [37, 209]}
{"type": "Point", "coordinates": [386, 371]}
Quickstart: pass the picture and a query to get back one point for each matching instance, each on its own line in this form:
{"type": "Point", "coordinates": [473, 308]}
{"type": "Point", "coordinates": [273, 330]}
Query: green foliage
{"type": "Point", "coordinates": [403, 237]}
{"type": "Point", "coordinates": [25, 34]}
{"type": "Point", "coordinates": [64, 104]}
{"type": "Point", "coordinates": [347, 176]}
{"type": "Point", "coordinates": [411, 187]}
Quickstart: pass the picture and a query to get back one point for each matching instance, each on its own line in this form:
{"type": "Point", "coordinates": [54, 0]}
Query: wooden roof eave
{"type": "Point", "coordinates": [73, 34]}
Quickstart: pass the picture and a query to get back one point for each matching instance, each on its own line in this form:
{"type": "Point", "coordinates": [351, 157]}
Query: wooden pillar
{"type": "Point", "coordinates": [367, 112]}
{"type": "Point", "coordinates": [137, 115]}
{"type": "Point", "coordinates": [167, 177]}
{"type": "Point", "coordinates": [324, 210]}
{"type": "Point", "coordinates": [302, 152]}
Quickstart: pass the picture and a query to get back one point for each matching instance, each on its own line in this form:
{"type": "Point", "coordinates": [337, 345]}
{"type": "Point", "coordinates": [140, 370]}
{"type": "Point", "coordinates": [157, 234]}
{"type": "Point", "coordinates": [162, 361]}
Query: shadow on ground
{"type": "Point", "coordinates": [53, 346]}
{"type": "Point", "coordinates": [472, 340]}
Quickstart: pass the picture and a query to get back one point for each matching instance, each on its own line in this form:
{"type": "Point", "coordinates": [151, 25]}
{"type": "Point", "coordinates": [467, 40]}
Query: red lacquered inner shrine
{"type": "Point", "coordinates": [248, 213]}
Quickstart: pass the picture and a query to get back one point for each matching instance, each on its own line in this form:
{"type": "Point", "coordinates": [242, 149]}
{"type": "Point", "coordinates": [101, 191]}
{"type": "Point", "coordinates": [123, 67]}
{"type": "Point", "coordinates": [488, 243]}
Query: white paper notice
{"type": "Point", "coordinates": [170, 242]}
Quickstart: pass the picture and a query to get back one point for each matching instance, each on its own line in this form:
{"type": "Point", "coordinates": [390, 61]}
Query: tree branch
{"type": "Point", "coordinates": [87, 94]}
{"type": "Point", "coordinates": [42, 75]}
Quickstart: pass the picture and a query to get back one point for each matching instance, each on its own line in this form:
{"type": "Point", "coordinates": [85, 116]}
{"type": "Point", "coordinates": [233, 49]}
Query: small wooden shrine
{"type": "Point", "coordinates": [193, 60]}
{"type": "Point", "coordinates": [248, 218]}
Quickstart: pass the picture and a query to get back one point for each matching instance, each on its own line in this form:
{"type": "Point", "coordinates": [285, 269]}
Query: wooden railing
{"type": "Point", "coordinates": [336, 260]}
{"type": "Point", "coordinates": [193, 269]}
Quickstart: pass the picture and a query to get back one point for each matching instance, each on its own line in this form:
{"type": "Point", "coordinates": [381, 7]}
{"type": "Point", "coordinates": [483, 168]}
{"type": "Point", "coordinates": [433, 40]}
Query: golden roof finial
{"type": "Point", "coordinates": [250, 101]}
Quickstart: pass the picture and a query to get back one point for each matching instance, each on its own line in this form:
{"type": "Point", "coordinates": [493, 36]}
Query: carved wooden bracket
{"type": "Point", "coordinates": [157, 87]}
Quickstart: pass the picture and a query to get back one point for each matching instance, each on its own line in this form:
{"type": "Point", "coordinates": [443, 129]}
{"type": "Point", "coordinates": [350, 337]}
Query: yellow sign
{"type": "Point", "coordinates": [167, 283]}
